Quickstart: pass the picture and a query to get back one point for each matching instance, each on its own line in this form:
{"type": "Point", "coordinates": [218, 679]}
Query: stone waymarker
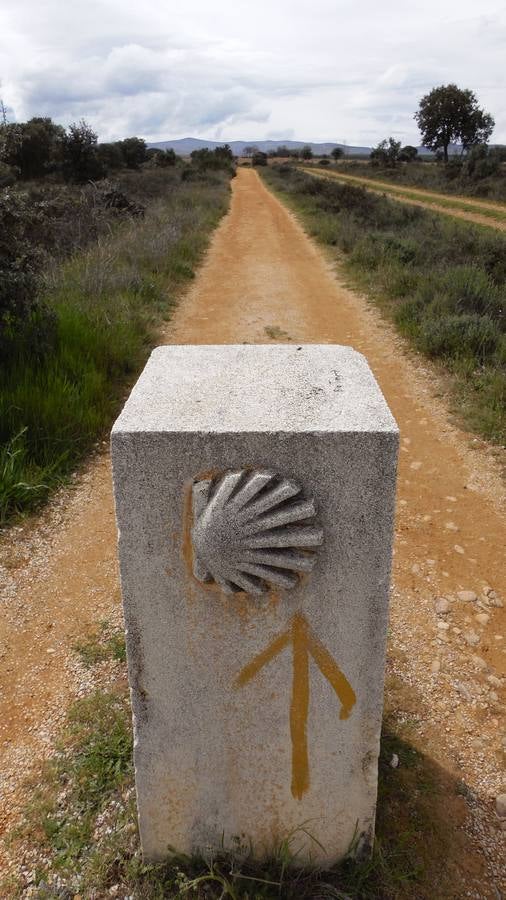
{"type": "Point", "coordinates": [254, 492]}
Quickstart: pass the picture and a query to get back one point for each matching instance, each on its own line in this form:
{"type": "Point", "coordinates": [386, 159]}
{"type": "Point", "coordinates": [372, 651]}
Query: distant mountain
{"type": "Point", "coordinates": [184, 146]}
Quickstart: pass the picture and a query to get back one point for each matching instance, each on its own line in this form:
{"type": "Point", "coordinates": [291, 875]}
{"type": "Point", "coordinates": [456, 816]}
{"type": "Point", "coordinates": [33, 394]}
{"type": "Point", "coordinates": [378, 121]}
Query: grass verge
{"type": "Point", "coordinates": [79, 834]}
{"type": "Point", "coordinates": [453, 179]}
{"type": "Point", "coordinates": [107, 302]}
{"type": "Point", "coordinates": [442, 282]}
{"type": "Point", "coordinates": [494, 213]}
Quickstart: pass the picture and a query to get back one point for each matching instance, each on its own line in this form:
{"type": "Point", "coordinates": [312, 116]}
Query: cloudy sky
{"type": "Point", "coordinates": [227, 69]}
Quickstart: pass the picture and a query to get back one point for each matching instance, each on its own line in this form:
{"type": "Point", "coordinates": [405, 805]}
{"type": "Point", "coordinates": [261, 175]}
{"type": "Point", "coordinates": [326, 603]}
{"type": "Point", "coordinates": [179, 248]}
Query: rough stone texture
{"type": "Point", "coordinates": [254, 714]}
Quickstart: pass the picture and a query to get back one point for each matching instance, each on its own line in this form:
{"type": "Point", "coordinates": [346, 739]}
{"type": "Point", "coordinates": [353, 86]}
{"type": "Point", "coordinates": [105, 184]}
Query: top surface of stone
{"type": "Point", "coordinates": [257, 388]}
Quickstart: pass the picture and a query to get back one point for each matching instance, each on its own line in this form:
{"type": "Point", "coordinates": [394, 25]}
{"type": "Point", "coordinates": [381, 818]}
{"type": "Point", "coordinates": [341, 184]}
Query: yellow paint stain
{"type": "Point", "coordinates": [304, 643]}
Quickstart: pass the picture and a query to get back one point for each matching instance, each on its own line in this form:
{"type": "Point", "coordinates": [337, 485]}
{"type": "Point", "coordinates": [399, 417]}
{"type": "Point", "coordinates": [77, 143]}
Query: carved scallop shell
{"type": "Point", "coordinates": [252, 530]}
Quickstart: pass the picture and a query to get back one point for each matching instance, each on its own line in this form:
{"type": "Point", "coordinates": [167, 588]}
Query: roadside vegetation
{"type": "Point", "coordinates": [442, 282]}
{"type": "Point", "coordinates": [481, 174]}
{"type": "Point", "coordinates": [78, 836]}
{"type": "Point", "coordinates": [456, 131]}
{"type": "Point", "coordinates": [88, 271]}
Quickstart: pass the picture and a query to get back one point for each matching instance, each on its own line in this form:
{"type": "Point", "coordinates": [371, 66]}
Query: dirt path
{"type": "Point", "coordinates": [493, 214]}
{"type": "Point", "coordinates": [263, 280]}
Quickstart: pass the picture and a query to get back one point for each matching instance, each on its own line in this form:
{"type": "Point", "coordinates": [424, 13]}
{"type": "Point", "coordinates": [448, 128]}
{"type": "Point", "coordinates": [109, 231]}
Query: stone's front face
{"type": "Point", "coordinates": [250, 531]}
{"type": "Point", "coordinates": [255, 593]}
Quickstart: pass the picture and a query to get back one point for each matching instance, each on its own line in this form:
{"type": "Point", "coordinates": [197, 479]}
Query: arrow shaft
{"type": "Point", "coordinates": [299, 708]}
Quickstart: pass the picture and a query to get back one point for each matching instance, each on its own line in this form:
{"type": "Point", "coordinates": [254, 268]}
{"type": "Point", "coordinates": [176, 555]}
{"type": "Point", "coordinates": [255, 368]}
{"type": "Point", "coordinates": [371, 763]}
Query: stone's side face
{"type": "Point", "coordinates": [259, 709]}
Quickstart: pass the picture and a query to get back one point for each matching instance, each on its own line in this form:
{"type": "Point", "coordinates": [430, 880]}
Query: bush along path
{"type": "Point", "coordinates": [73, 330]}
{"type": "Point", "coordinates": [439, 830]}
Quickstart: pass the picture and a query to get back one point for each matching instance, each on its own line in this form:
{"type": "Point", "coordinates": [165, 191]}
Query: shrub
{"type": "Point", "coordinates": [80, 159]}
{"type": "Point", "coordinates": [259, 159]}
{"type": "Point", "coordinates": [26, 325]}
{"type": "Point", "coordinates": [455, 337]}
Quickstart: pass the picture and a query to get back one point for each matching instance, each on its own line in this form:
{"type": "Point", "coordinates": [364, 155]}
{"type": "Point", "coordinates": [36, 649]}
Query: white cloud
{"type": "Point", "coordinates": [319, 71]}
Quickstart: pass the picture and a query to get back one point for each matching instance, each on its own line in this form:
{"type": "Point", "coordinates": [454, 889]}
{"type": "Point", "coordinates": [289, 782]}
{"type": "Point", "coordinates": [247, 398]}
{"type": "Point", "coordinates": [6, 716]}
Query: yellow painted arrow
{"type": "Point", "coordinates": [303, 642]}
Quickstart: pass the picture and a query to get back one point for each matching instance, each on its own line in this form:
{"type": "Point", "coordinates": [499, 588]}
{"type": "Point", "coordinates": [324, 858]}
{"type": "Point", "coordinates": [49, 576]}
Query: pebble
{"type": "Point", "coordinates": [500, 806]}
{"type": "Point", "coordinates": [442, 606]}
{"type": "Point", "coordinates": [482, 618]}
{"type": "Point", "coordinates": [435, 666]}
{"type": "Point", "coordinates": [443, 626]}
{"type": "Point", "coordinates": [416, 465]}
{"type": "Point", "coordinates": [479, 662]}
{"type": "Point", "coordinates": [451, 526]}
{"type": "Point", "coordinates": [463, 690]}
{"type": "Point", "coordinates": [471, 638]}
{"type": "Point", "coordinates": [493, 679]}
{"type": "Point", "coordinates": [459, 549]}
{"type": "Point", "coordinates": [467, 596]}
{"type": "Point", "coordinates": [394, 762]}
{"type": "Point", "coordinates": [495, 601]}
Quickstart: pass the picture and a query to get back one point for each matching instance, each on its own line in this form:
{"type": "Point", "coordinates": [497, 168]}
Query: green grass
{"type": "Point", "coordinates": [443, 282]}
{"type": "Point", "coordinates": [108, 301]}
{"type": "Point", "coordinates": [433, 177]}
{"type": "Point", "coordinates": [105, 643]}
{"type": "Point", "coordinates": [495, 215]}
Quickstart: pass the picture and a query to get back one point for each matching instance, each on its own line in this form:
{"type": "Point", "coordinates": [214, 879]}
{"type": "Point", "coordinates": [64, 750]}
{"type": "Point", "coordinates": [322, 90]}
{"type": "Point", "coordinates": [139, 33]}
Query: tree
{"type": "Point", "coordinates": [33, 147]}
{"type": "Point", "coordinates": [449, 115]}
{"type": "Point", "coordinates": [110, 155]}
{"type": "Point", "coordinates": [165, 158]}
{"type": "Point", "coordinates": [306, 152]}
{"type": "Point", "coordinates": [134, 152]}
{"type": "Point", "coordinates": [81, 162]}
{"type": "Point", "coordinates": [250, 149]}
{"type": "Point", "coordinates": [259, 159]}
{"type": "Point", "coordinates": [386, 153]}
{"type": "Point", "coordinates": [408, 154]}
{"type": "Point", "coordinates": [337, 153]}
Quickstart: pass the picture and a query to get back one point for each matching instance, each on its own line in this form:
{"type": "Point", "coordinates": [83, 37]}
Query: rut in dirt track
{"type": "Point", "coordinates": [263, 280]}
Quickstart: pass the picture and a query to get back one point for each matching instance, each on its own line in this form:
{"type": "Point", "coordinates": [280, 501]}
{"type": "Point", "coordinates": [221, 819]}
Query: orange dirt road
{"type": "Point", "coordinates": [264, 280]}
{"type": "Point", "coordinates": [427, 199]}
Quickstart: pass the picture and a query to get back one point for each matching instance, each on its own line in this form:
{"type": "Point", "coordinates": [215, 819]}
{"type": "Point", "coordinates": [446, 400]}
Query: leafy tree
{"type": "Point", "coordinates": [134, 152]}
{"type": "Point", "coordinates": [33, 148]}
{"type": "Point", "coordinates": [259, 158]}
{"type": "Point", "coordinates": [81, 162]}
{"type": "Point", "coordinates": [449, 115]}
{"type": "Point", "coordinates": [166, 158]}
{"type": "Point", "coordinates": [219, 158]}
{"type": "Point", "coordinates": [111, 155]}
{"type": "Point", "coordinates": [337, 153]}
{"type": "Point", "coordinates": [386, 153]}
{"type": "Point", "coordinates": [250, 149]}
{"type": "Point", "coordinates": [408, 154]}
{"type": "Point", "coordinates": [482, 162]}
{"type": "Point", "coordinates": [306, 152]}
